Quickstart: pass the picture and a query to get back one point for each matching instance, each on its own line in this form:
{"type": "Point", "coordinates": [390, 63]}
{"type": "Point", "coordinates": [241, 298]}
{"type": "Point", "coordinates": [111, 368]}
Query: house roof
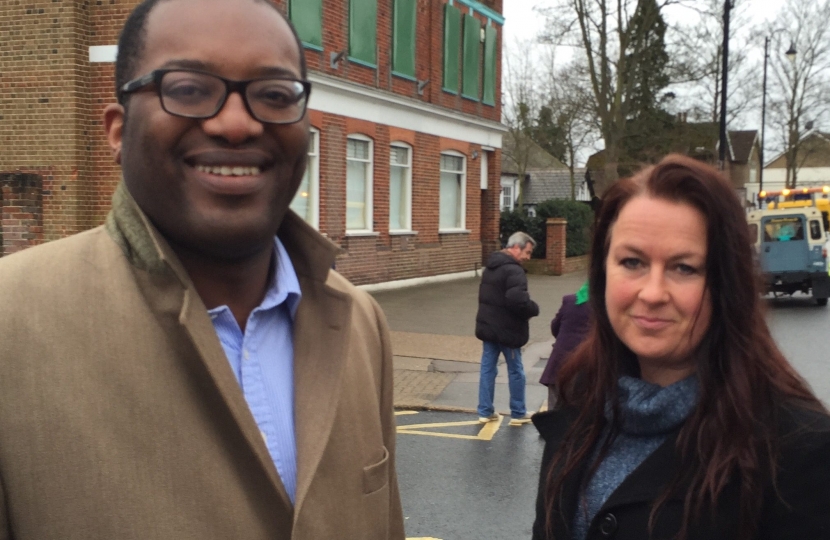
{"type": "Point", "coordinates": [741, 144]}
{"type": "Point", "coordinates": [537, 157]}
{"type": "Point", "coordinates": [817, 146]}
{"type": "Point", "coordinates": [544, 184]}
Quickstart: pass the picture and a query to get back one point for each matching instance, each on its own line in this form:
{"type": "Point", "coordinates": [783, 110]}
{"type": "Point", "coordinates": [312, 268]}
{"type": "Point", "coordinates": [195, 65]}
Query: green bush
{"type": "Point", "coordinates": [580, 218]}
{"type": "Point", "coordinates": [578, 214]}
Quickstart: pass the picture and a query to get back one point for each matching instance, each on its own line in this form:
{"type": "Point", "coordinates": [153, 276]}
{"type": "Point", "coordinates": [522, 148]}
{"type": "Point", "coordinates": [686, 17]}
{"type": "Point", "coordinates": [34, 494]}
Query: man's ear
{"type": "Point", "coordinates": [114, 126]}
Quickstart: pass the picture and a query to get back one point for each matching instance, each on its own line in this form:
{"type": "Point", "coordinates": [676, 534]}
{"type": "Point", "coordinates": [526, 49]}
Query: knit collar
{"type": "Point", "coordinates": [650, 409]}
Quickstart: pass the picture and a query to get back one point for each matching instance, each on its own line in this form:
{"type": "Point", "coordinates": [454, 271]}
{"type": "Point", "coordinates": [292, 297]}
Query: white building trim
{"type": "Point", "coordinates": [343, 98]}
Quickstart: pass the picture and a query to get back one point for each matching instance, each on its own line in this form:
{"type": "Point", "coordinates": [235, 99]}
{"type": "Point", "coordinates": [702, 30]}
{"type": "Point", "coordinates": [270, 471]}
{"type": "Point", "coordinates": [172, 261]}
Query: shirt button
{"type": "Point", "coordinates": [245, 354]}
{"type": "Point", "coordinates": [608, 525]}
{"type": "Point", "coordinates": [264, 436]}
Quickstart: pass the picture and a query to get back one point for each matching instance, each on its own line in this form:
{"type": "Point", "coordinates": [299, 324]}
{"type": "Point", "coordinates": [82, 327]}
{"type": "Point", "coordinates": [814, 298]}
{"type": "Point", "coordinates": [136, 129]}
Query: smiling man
{"type": "Point", "coordinates": [194, 369]}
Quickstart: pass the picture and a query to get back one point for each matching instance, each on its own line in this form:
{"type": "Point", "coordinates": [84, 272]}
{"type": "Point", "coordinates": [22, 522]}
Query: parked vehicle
{"type": "Point", "coordinates": [789, 239]}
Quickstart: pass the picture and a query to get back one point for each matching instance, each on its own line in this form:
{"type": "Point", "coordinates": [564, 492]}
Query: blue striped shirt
{"type": "Point", "coordinates": [263, 361]}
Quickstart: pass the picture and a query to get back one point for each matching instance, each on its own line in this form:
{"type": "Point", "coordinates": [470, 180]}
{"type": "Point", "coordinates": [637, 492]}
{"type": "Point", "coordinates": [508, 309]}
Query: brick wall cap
{"type": "Point", "coordinates": [556, 221]}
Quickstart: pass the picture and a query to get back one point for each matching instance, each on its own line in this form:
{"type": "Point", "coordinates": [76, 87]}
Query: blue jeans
{"type": "Point", "coordinates": [487, 380]}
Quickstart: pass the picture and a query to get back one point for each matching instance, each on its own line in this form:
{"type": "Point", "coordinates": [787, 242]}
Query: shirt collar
{"type": "Point", "coordinates": [283, 285]}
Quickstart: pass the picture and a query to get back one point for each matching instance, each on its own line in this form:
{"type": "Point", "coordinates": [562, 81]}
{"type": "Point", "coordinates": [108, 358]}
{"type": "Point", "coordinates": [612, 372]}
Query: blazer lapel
{"type": "Point", "coordinates": [321, 332]}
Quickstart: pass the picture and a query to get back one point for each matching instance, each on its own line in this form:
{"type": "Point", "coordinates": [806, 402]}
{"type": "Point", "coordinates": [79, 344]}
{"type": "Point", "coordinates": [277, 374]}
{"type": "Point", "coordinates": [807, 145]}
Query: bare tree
{"type": "Point", "coordinates": [697, 55]}
{"type": "Point", "coordinates": [612, 45]}
{"type": "Point", "coordinates": [798, 97]}
{"type": "Point", "coordinates": [569, 99]}
{"type": "Point", "coordinates": [521, 96]}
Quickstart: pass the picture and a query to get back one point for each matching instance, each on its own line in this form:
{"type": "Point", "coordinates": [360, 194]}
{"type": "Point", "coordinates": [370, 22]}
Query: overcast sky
{"type": "Point", "coordinates": [521, 21]}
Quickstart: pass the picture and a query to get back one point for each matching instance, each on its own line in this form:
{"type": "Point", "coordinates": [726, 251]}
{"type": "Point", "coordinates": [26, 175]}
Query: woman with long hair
{"type": "Point", "coordinates": [678, 415]}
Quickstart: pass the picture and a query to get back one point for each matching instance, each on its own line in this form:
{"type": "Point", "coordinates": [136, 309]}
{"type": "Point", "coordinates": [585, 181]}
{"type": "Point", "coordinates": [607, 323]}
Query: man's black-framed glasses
{"type": "Point", "coordinates": [196, 94]}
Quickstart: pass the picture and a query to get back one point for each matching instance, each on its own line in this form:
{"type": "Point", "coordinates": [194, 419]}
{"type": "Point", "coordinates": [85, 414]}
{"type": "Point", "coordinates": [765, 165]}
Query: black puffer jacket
{"type": "Point", "coordinates": [504, 305]}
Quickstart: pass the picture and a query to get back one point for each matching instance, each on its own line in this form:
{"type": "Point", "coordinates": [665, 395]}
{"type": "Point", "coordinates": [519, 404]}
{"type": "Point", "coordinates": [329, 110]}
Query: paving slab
{"type": "Point", "coordinates": [436, 346]}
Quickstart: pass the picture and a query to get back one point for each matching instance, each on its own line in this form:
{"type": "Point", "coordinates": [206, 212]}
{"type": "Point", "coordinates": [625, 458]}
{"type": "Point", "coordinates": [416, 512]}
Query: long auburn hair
{"type": "Point", "coordinates": [742, 374]}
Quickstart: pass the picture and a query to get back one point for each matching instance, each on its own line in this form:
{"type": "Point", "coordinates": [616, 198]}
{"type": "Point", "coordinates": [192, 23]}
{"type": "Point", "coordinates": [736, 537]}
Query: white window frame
{"type": "Point", "coordinates": [313, 171]}
{"type": "Point", "coordinates": [502, 195]}
{"type": "Point", "coordinates": [463, 205]}
{"type": "Point", "coordinates": [408, 188]}
{"type": "Point", "coordinates": [370, 169]}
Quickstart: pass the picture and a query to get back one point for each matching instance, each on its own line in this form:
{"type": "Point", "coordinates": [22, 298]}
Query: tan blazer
{"type": "Point", "coordinates": [121, 419]}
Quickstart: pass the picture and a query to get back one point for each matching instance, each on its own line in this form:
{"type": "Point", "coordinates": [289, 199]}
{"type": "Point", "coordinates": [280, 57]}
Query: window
{"type": "Point", "coordinates": [306, 201]}
{"type": "Point", "coordinates": [307, 18]}
{"type": "Point", "coordinates": [472, 40]}
{"type": "Point", "coordinates": [363, 31]}
{"type": "Point", "coordinates": [452, 45]}
{"type": "Point", "coordinates": [403, 38]}
{"type": "Point", "coordinates": [452, 190]}
{"type": "Point", "coordinates": [783, 229]}
{"type": "Point", "coordinates": [400, 188]}
{"type": "Point", "coordinates": [507, 198]}
{"type": "Point", "coordinates": [815, 230]}
{"type": "Point", "coordinates": [358, 183]}
{"type": "Point", "coordinates": [490, 36]}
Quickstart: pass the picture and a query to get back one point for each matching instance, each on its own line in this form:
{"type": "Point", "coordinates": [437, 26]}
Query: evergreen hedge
{"type": "Point", "coordinates": [579, 216]}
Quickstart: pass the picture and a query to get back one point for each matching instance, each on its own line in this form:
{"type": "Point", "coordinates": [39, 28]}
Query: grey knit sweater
{"type": "Point", "coordinates": [649, 412]}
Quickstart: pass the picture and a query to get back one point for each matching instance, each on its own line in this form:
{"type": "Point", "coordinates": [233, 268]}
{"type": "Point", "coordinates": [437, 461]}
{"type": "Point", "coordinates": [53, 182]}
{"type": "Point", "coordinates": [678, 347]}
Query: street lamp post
{"type": "Point", "coordinates": [727, 7]}
{"type": "Point", "coordinates": [763, 118]}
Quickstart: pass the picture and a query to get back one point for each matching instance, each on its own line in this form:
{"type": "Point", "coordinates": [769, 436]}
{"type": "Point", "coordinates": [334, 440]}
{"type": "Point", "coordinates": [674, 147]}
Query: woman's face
{"type": "Point", "coordinates": [656, 294]}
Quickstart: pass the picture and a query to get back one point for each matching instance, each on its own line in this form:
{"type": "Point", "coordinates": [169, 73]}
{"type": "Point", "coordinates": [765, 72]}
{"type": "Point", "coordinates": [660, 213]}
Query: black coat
{"type": "Point", "coordinates": [803, 483]}
{"type": "Point", "coordinates": [504, 305]}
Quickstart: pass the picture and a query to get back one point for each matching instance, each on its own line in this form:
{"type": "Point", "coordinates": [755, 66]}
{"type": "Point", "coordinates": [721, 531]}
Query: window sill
{"type": "Point", "coordinates": [403, 233]}
{"type": "Point", "coordinates": [363, 63]}
{"type": "Point", "coordinates": [312, 46]}
{"type": "Point", "coordinates": [470, 98]}
{"type": "Point", "coordinates": [404, 76]}
{"type": "Point", "coordinates": [450, 91]}
{"type": "Point", "coordinates": [454, 231]}
{"type": "Point", "coordinates": [361, 233]}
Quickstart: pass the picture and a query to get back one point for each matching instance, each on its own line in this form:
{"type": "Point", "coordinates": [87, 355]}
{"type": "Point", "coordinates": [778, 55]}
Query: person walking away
{"type": "Point", "coordinates": [504, 309]}
{"type": "Point", "coordinates": [569, 327]}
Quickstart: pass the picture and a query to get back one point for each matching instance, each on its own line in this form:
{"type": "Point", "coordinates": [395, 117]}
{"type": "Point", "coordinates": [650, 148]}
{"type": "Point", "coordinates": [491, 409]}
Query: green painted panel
{"type": "Point", "coordinates": [307, 17]}
{"type": "Point", "coordinates": [472, 46]}
{"type": "Point", "coordinates": [490, 39]}
{"type": "Point", "coordinates": [452, 46]}
{"type": "Point", "coordinates": [403, 36]}
{"type": "Point", "coordinates": [363, 30]}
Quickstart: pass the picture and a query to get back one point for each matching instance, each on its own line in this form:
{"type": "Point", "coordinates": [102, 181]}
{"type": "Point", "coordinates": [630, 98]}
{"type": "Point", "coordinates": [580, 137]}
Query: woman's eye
{"type": "Point", "coordinates": [686, 270]}
{"type": "Point", "coordinates": [630, 263]}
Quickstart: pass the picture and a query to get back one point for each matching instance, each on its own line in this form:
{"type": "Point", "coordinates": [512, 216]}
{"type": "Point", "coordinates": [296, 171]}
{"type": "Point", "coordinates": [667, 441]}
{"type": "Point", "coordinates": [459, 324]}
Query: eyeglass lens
{"type": "Point", "coordinates": [200, 95]}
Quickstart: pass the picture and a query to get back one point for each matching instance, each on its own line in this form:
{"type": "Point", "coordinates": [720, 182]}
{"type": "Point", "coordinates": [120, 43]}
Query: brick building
{"type": "Point", "coordinates": [405, 158]}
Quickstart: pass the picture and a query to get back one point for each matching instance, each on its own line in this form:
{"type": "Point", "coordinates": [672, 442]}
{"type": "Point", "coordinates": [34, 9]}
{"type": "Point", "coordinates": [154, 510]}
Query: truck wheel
{"type": "Point", "coordinates": [821, 301]}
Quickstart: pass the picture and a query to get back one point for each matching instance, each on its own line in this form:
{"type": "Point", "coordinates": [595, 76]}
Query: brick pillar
{"type": "Point", "coordinates": [22, 211]}
{"type": "Point", "coordinates": [555, 237]}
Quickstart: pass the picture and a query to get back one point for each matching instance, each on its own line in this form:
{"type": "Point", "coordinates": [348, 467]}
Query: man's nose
{"type": "Point", "coordinates": [233, 122]}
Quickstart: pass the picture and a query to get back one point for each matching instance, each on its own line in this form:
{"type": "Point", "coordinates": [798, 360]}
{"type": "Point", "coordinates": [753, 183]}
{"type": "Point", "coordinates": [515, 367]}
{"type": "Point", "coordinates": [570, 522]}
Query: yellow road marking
{"type": "Point", "coordinates": [405, 413]}
{"type": "Point", "coordinates": [486, 434]}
